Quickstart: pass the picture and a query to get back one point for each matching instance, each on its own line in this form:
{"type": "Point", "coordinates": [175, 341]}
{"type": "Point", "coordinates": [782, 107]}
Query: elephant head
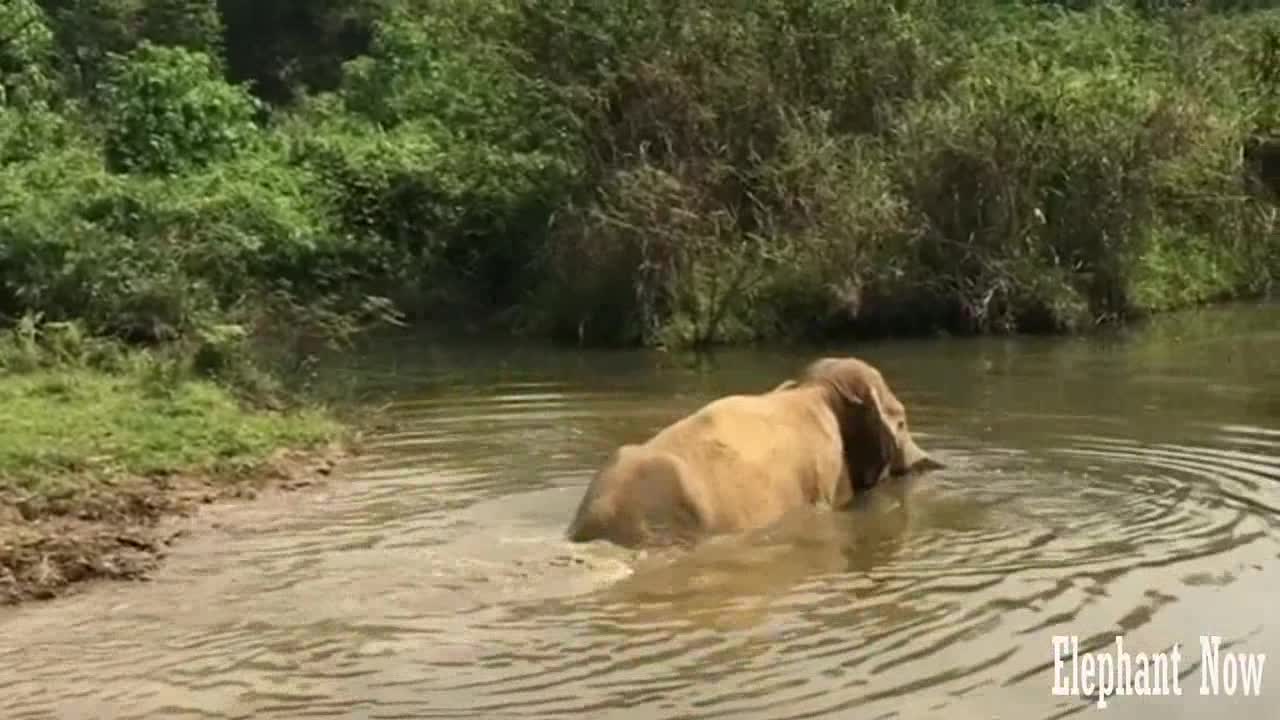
{"type": "Point", "coordinates": [873, 422]}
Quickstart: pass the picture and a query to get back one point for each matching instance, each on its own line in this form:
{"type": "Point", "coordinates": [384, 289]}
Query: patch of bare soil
{"type": "Point", "coordinates": [118, 530]}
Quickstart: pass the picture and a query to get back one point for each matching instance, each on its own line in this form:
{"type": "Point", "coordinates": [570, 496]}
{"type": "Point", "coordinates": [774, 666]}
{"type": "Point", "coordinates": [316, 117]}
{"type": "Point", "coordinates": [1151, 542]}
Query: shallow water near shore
{"type": "Point", "coordinates": [1126, 484]}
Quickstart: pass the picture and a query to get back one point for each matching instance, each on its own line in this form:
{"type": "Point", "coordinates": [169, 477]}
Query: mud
{"type": "Point", "coordinates": [122, 529]}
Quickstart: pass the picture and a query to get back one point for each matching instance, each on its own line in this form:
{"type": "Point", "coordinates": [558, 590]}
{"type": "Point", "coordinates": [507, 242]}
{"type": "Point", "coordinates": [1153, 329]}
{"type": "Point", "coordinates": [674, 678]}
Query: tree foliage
{"type": "Point", "coordinates": [169, 110]}
{"type": "Point", "coordinates": [26, 52]}
{"type": "Point", "coordinates": [664, 173]}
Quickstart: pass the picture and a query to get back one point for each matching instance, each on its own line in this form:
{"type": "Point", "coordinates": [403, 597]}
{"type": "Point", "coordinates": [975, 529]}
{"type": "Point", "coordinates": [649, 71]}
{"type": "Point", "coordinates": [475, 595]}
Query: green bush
{"type": "Point", "coordinates": [170, 111]}
{"type": "Point", "coordinates": [192, 24]}
{"type": "Point", "coordinates": [1027, 171]}
{"type": "Point", "coordinates": [660, 173]}
{"type": "Point", "coordinates": [86, 34]}
{"type": "Point", "coordinates": [1051, 179]}
{"type": "Point", "coordinates": [148, 257]}
{"type": "Point", "coordinates": [1032, 179]}
{"type": "Point", "coordinates": [734, 183]}
{"type": "Point", "coordinates": [29, 133]}
{"type": "Point", "coordinates": [421, 206]}
{"type": "Point", "coordinates": [440, 158]}
{"type": "Point", "coordinates": [660, 256]}
{"type": "Point", "coordinates": [26, 54]}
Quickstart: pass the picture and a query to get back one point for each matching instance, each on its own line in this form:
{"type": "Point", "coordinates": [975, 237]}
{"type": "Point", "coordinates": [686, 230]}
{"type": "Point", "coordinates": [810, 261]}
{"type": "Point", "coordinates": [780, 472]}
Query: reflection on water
{"type": "Point", "coordinates": [1112, 485]}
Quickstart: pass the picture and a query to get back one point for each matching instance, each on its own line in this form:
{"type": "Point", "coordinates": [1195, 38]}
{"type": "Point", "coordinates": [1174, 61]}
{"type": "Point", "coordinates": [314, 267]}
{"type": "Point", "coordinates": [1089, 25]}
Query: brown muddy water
{"type": "Point", "coordinates": [1122, 485]}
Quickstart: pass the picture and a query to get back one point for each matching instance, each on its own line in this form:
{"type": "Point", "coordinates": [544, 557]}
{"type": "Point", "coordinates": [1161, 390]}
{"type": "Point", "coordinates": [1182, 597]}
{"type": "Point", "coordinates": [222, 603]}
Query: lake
{"type": "Point", "coordinates": [1123, 484]}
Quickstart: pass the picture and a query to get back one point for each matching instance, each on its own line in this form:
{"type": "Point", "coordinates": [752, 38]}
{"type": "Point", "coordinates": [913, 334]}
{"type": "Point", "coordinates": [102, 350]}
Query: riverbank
{"type": "Point", "coordinates": [97, 469]}
{"type": "Point", "coordinates": [638, 175]}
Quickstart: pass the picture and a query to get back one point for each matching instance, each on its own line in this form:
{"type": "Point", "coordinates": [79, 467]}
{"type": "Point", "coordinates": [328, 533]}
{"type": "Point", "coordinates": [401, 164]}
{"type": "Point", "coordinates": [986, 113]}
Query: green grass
{"type": "Point", "coordinates": [68, 429]}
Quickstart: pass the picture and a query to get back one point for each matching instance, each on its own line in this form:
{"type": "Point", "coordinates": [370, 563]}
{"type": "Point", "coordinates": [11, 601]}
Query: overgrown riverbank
{"type": "Point", "coordinates": [101, 447]}
{"type": "Point", "coordinates": [662, 173]}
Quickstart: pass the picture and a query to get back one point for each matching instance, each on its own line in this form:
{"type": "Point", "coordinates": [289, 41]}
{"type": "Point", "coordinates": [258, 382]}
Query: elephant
{"type": "Point", "coordinates": [744, 461]}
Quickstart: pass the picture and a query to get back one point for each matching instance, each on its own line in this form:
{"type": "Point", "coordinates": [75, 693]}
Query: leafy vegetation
{"type": "Point", "coordinates": [82, 415]}
{"type": "Point", "coordinates": [617, 172]}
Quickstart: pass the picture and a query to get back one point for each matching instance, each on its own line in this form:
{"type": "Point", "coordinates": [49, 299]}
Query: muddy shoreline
{"type": "Point", "coordinates": [123, 529]}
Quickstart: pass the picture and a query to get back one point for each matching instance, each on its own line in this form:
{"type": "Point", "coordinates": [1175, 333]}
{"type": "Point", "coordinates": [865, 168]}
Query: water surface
{"type": "Point", "coordinates": [1127, 484]}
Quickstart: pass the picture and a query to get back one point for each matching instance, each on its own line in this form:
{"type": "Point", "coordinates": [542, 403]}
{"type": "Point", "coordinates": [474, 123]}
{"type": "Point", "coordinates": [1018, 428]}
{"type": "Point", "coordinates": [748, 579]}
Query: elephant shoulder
{"type": "Point", "coordinates": [722, 417]}
{"type": "Point", "coordinates": [701, 422]}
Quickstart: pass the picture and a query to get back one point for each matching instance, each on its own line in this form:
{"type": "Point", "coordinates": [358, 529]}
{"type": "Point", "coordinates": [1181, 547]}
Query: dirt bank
{"type": "Point", "coordinates": [122, 528]}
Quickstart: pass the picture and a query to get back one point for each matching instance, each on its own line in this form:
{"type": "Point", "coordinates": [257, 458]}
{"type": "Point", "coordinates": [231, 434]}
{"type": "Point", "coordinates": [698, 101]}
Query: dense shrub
{"type": "Point", "coordinates": [87, 33]}
{"type": "Point", "coordinates": [26, 54]}
{"type": "Point", "coordinates": [192, 24]}
{"type": "Point", "coordinates": [440, 157]}
{"type": "Point", "coordinates": [661, 173]}
{"type": "Point", "coordinates": [149, 258]}
{"type": "Point", "coordinates": [727, 163]}
{"type": "Point", "coordinates": [171, 111]}
{"type": "Point", "coordinates": [675, 256]}
{"type": "Point", "coordinates": [1051, 171]}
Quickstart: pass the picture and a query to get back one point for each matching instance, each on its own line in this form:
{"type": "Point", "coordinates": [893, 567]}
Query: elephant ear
{"type": "Point", "coordinates": [868, 440]}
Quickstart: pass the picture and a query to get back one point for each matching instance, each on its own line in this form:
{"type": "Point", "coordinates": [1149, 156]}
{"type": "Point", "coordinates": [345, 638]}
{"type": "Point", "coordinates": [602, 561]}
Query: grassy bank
{"type": "Point", "coordinates": [659, 173]}
{"type": "Point", "coordinates": [103, 444]}
{"type": "Point", "coordinates": [70, 434]}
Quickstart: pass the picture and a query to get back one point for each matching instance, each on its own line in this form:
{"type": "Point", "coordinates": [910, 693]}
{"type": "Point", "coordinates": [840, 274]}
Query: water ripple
{"type": "Point", "coordinates": [438, 584]}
